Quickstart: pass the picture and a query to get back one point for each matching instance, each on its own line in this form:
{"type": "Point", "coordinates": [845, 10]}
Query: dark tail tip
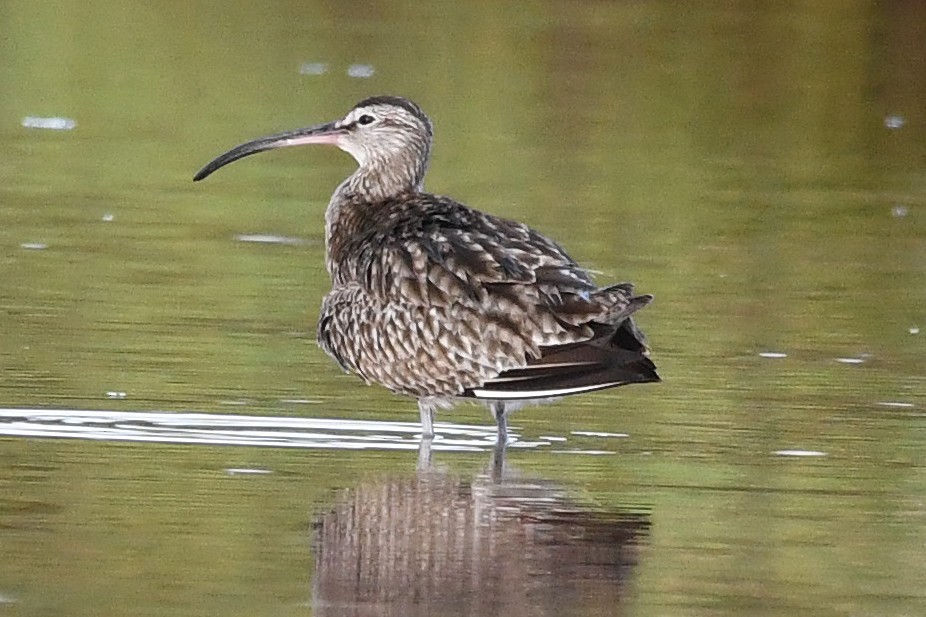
{"type": "Point", "coordinates": [644, 370]}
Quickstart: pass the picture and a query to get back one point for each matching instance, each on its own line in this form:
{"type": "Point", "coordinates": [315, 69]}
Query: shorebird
{"type": "Point", "coordinates": [438, 301]}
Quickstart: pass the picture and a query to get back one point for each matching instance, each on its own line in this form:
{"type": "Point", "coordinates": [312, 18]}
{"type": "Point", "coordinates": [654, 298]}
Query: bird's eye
{"type": "Point", "coordinates": [365, 119]}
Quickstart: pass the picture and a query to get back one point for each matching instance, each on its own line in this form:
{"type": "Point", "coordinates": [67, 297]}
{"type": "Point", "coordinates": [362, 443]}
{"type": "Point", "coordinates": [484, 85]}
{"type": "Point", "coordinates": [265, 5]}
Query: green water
{"type": "Point", "coordinates": [760, 169]}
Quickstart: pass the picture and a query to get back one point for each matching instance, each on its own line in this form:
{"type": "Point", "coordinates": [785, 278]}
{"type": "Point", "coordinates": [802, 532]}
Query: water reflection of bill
{"type": "Point", "coordinates": [437, 544]}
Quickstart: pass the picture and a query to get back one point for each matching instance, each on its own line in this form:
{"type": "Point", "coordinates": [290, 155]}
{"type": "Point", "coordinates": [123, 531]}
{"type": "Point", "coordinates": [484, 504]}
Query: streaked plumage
{"type": "Point", "coordinates": [438, 301]}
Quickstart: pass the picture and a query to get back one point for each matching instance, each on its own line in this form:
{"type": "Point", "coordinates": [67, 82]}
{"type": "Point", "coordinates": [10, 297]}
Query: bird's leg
{"type": "Point", "coordinates": [498, 462]}
{"type": "Point", "coordinates": [424, 454]}
{"type": "Point", "coordinates": [427, 418]}
{"type": "Point", "coordinates": [501, 419]}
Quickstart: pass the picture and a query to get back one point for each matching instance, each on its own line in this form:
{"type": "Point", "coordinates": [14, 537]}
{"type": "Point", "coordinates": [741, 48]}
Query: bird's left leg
{"type": "Point", "coordinates": [424, 454]}
{"type": "Point", "coordinates": [426, 409]}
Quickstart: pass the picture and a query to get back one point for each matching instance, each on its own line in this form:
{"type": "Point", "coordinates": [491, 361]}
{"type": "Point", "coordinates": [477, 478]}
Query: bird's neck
{"type": "Point", "coordinates": [372, 186]}
{"type": "Point", "coordinates": [384, 174]}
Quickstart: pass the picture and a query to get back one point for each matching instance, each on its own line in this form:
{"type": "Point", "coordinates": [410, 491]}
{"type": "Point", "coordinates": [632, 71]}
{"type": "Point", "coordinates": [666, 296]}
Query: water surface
{"type": "Point", "coordinates": [174, 442]}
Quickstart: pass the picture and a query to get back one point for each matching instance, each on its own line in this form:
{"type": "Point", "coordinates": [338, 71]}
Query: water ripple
{"type": "Point", "coordinates": [241, 430]}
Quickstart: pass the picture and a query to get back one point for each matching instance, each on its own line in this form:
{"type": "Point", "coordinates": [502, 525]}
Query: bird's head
{"type": "Point", "coordinates": [388, 136]}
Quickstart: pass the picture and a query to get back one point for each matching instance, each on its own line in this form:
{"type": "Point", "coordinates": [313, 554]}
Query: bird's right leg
{"type": "Point", "coordinates": [498, 462]}
{"type": "Point", "coordinates": [427, 418]}
{"type": "Point", "coordinates": [501, 421]}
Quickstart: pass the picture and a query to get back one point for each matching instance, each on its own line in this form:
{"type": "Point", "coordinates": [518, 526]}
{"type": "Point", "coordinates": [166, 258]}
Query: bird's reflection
{"type": "Point", "coordinates": [437, 544]}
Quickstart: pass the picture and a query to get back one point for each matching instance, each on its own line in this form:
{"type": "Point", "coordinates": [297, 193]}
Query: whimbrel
{"type": "Point", "coordinates": [438, 301]}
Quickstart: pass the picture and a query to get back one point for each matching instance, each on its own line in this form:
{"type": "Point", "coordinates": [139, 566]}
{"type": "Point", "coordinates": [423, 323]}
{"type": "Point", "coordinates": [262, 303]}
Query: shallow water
{"type": "Point", "coordinates": [173, 441]}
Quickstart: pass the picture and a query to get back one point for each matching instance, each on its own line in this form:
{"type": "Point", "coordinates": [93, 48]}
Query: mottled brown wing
{"type": "Point", "coordinates": [440, 252]}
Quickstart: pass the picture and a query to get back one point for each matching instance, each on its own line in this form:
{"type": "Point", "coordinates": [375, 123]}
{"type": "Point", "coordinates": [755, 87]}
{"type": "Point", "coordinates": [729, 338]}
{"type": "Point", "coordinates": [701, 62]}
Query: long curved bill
{"type": "Point", "coordinates": [321, 134]}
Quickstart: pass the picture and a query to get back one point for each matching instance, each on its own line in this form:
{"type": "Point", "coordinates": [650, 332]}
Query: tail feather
{"type": "Point", "coordinates": [615, 356]}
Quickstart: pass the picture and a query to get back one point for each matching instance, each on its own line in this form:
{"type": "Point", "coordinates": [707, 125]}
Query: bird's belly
{"type": "Point", "coordinates": [436, 351]}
